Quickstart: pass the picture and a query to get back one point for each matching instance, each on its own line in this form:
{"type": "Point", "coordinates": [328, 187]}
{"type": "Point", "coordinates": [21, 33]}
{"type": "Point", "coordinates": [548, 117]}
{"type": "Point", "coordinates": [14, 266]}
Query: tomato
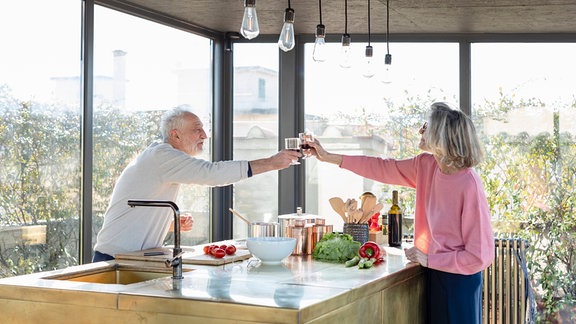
{"type": "Point", "coordinates": [231, 249]}
{"type": "Point", "coordinates": [217, 250]}
{"type": "Point", "coordinates": [218, 253]}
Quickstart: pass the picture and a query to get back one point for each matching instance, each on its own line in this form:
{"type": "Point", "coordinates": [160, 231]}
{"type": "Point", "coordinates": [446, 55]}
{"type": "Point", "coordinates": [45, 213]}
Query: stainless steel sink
{"type": "Point", "coordinates": [115, 274]}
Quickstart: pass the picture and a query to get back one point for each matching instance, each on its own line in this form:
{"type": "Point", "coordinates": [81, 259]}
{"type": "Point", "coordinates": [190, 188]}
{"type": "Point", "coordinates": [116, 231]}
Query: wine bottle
{"type": "Point", "coordinates": [395, 222]}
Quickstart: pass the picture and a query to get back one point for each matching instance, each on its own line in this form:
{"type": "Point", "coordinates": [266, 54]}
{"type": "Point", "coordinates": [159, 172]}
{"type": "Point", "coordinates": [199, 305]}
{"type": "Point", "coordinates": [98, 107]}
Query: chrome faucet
{"type": "Point", "coordinates": [176, 261]}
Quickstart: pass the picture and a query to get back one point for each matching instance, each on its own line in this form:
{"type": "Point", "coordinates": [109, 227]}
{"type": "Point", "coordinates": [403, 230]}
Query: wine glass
{"type": "Point", "coordinates": [305, 138]}
{"type": "Point", "coordinates": [292, 143]}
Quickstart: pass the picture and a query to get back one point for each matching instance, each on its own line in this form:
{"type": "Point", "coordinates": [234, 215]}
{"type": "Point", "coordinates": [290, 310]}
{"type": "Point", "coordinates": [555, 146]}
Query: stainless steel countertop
{"type": "Point", "coordinates": [296, 283]}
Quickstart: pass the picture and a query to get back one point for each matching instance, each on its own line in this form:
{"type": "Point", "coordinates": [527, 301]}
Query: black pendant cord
{"type": "Point", "coordinates": [368, 22]}
{"type": "Point", "coordinates": [320, 10]}
{"type": "Point", "coordinates": [388, 26]}
{"type": "Point", "coordinates": [289, 7]}
{"type": "Point", "coordinates": [346, 17]}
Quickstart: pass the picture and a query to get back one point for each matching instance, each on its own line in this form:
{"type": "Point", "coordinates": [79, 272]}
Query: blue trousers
{"type": "Point", "coordinates": [454, 298]}
{"type": "Point", "coordinates": [101, 257]}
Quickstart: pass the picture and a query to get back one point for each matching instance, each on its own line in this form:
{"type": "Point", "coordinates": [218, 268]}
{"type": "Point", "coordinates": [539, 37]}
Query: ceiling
{"type": "Point", "coordinates": [406, 16]}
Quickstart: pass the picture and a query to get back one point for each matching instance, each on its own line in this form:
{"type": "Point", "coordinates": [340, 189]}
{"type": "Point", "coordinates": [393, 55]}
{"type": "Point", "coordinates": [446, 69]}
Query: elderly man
{"type": "Point", "coordinates": [157, 173]}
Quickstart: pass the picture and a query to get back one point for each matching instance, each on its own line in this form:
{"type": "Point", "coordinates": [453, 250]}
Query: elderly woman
{"type": "Point", "coordinates": [453, 236]}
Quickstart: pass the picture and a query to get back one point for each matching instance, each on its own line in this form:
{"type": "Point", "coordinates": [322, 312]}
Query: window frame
{"type": "Point", "coordinates": [291, 102]}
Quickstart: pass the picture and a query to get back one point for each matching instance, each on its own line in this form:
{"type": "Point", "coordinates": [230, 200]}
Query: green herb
{"type": "Point", "coordinates": [336, 247]}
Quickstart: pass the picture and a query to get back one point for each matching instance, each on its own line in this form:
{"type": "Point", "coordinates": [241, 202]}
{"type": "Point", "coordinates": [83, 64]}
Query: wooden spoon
{"type": "Point", "coordinates": [351, 209]}
{"type": "Point", "coordinates": [338, 205]}
{"type": "Point", "coordinates": [357, 216]}
{"type": "Point", "coordinates": [239, 216]}
{"type": "Point", "coordinates": [376, 209]}
{"type": "Point", "coordinates": [368, 204]}
{"type": "Point", "coordinates": [351, 205]}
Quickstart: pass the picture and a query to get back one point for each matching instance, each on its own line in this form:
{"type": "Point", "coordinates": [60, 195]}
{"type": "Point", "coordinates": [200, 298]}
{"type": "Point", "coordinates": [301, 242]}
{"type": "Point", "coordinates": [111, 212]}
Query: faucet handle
{"type": "Point", "coordinates": [174, 261]}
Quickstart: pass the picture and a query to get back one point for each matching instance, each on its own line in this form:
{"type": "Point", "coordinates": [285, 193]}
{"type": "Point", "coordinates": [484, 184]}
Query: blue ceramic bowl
{"type": "Point", "coordinates": [271, 250]}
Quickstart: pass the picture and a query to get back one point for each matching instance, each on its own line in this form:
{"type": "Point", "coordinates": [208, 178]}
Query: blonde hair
{"type": "Point", "coordinates": [451, 136]}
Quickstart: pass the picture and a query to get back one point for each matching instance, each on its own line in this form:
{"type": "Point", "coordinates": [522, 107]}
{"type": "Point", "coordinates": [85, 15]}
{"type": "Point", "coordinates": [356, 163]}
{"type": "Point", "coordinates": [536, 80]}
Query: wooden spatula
{"type": "Point", "coordinates": [376, 209]}
{"type": "Point", "coordinates": [338, 205]}
{"type": "Point", "coordinates": [368, 204]}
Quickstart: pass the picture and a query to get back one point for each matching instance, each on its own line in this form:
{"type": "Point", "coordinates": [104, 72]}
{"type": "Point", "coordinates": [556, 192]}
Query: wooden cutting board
{"type": "Point", "coordinates": [190, 256]}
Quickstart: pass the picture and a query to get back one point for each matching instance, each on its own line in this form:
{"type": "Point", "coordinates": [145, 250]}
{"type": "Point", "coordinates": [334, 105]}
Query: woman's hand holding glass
{"type": "Point", "coordinates": [306, 138]}
{"type": "Point", "coordinates": [321, 154]}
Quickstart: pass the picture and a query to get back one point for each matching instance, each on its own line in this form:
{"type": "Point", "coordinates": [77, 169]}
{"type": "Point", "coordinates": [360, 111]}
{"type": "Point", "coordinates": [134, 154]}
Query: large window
{"type": "Point", "coordinates": [39, 135]}
{"type": "Point", "coordinates": [524, 104]}
{"type": "Point", "coordinates": [142, 69]}
{"type": "Point", "coordinates": [353, 114]}
{"type": "Point", "coordinates": [255, 129]}
{"type": "Point", "coordinates": [524, 108]}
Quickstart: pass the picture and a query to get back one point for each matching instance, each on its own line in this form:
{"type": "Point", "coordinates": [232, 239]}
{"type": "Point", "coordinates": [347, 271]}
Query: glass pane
{"type": "Point", "coordinates": [376, 116]}
{"type": "Point", "coordinates": [142, 69]}
{"type": "Point", "coordinates": [255, 130]}
{"type": "Point", "coordinates": [39, 135]}
{"type": "Point", "coordinates": [524, 105]}
{"type": "Point", "coordinates": [525, 108]}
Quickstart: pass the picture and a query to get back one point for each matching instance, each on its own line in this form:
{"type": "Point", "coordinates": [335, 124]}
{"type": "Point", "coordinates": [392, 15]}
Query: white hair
{"type": "Point", "coordinates": [172, 119]}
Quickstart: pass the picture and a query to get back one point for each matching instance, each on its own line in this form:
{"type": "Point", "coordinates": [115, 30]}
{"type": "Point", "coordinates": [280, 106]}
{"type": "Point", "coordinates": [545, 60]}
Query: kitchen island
{"type": "Point", "coordinates": [300, 290]}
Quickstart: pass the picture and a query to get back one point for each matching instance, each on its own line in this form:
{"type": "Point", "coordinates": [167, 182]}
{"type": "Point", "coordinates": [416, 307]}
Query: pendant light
{"type": "Point", "coordinates": [346, 50]}
{"type": "Point", "coordinates": [319, 53]}
{"type": "Point", "coordinates": [286, 40]}
{"type": "Point", "coordinates": [369, 70]}
{"type": "Point", "coordinates": [387, 75]}
{"type": "Point", "coordinates": [250, 27]}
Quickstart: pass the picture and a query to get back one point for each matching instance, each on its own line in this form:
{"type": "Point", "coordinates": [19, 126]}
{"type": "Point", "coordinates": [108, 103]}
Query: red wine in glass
{"type": "Point", "coordinates": [304, 139]}
{"type": "Point", "coordinates": [293, 144]}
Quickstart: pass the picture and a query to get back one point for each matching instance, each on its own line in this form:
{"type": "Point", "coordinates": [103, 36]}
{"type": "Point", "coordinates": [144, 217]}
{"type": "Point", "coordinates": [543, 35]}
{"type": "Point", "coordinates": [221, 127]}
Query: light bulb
{"type": "Point", "coordinates": [346, 52]}
{"type": "Point", "coordinates": [369, 67]}
{"type": "Point", "coordinates": [319, 54]}
{"type": "Point", "coordinates": [250, 27]}
{"type": "Point", "coordinates": [286, 40]}
{"type": "Point", "coordinates": [387, 75]}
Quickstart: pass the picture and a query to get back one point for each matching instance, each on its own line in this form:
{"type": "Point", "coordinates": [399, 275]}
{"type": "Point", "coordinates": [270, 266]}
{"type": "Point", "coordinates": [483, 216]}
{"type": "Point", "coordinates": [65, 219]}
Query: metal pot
{"type": "Point", "coordinates": [295, 219]}
{"type": "Point", "coordinates": [262, 229]}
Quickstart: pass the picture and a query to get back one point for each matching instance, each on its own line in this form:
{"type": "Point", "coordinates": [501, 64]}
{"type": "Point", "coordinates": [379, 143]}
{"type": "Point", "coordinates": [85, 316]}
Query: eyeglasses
{"type": "Point", "coordinates": [423, 128]}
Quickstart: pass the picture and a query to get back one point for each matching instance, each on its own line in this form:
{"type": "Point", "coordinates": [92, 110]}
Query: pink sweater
{"type": "Point", "coordinates": [452, 218]}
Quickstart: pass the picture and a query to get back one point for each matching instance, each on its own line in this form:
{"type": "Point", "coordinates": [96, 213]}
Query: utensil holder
{"type": "Point", "coordinates": [359, 232]}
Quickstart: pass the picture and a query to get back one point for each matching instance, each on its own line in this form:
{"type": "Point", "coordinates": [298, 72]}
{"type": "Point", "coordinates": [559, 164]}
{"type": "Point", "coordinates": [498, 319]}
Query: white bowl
{"type": "Point", "coordinates": [271, 250]}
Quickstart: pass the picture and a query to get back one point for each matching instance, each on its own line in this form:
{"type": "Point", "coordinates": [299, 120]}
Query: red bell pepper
{"type": "Point", "coordinates": [373, 223]}
{"type": "Point", "coordinates": [369, 250]}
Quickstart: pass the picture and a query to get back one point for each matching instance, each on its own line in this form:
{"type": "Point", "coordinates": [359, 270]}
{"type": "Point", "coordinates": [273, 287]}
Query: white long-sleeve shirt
{"type": "Point", "coordinates": [156, 174]}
